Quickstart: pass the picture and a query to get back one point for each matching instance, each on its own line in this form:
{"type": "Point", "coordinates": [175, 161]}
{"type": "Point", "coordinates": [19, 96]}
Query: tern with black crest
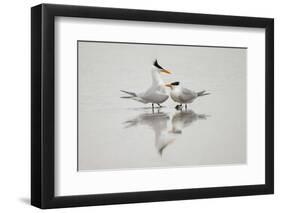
{"type": "Point", "coordinates": [156, 93]}
{"type": "Point", "coordinates": [182, 95]}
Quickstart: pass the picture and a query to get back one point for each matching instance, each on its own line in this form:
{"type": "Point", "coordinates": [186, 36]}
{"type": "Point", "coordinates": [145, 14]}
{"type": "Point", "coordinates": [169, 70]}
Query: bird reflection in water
{"type": "Point", "coordinates": [158, 122]}
{"type": "Point", "coordinates": [184, 119]}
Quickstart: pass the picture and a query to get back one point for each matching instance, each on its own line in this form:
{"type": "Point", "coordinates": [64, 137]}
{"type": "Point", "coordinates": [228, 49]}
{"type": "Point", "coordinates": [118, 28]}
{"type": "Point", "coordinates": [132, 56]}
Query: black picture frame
{"type": "Point", "coordinates": [43, 102]}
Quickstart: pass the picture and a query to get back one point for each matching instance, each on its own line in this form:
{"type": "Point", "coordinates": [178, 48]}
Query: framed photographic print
{"type": "Point", "coordinates": [139, 106]}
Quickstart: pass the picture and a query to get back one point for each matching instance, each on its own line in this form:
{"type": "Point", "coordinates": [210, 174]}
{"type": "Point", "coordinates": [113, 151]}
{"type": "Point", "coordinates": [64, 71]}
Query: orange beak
{"type": "Point", "coordinates": [166, 71]}
{"type": "Point", "coordinates": [168, 85]}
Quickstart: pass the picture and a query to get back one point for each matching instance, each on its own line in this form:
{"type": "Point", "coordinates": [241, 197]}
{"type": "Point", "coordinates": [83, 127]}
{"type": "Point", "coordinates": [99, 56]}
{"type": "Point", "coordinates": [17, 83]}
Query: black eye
{"type": "Point", "coordinates": [175, 83]}
{"type": "Point", "coordinates": [157, 65]}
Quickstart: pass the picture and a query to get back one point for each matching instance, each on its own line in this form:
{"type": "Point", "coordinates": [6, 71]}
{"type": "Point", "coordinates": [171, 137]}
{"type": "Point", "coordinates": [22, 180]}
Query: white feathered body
{"type": "Point", "coordinates": [155, 94]}
{"type": "Point", "coordinates": [183, 95]}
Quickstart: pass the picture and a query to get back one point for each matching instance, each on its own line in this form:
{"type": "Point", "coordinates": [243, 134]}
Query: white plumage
{"type": "Point", "coordinates": [156, 93]}
{"type": "Point", "coordinates": [182, 95]}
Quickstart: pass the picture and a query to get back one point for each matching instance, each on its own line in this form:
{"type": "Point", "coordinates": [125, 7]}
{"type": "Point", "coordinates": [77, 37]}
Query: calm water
{"type": "Point", "coordinates": [117, 133]}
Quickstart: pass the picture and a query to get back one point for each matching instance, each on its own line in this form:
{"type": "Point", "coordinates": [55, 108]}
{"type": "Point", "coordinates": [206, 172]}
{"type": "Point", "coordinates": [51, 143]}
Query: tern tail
{"type": "Point", "coordinates": [202, 93]}
{"type": "Point", "coordinates": [132, 94]}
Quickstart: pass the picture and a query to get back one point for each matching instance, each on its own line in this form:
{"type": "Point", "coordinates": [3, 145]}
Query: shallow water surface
{"type": "Point", "coordinates": [117, 133]}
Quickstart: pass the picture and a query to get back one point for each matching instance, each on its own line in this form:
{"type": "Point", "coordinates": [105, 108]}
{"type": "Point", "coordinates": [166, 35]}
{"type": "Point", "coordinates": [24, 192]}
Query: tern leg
{"type": "Point", "coordinates": [152, 108]}
{"type": "Point", "coordinates": [185, 106]}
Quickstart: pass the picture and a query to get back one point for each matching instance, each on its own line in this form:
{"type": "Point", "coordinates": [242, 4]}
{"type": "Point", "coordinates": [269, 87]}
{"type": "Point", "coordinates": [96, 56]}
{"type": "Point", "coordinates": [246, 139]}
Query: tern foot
{"type": "Point", "coordinates": [178, 107]}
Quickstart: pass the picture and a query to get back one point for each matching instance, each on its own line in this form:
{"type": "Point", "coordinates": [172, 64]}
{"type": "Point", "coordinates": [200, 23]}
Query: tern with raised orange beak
{"type": "Point", "coordinates": [156, 93]}
{"type": "Point", "coordinates": [182, 95]}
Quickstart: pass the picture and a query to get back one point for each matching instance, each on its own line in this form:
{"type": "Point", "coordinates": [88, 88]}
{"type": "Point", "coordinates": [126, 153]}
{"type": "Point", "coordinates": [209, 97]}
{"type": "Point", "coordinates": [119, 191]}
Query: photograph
{"type": "Point", "coordinates": [148, 106]}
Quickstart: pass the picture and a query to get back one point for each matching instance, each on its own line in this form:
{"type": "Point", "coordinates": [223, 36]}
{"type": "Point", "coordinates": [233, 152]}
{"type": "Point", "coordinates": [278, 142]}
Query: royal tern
{"type": "Point", "coordinates": [182, 95]}
{"type": "Point", "coordinates": [156, 93]}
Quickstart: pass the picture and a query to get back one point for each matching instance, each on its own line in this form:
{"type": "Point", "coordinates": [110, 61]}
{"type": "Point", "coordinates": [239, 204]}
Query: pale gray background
{"type": "Point", "coordinates": [18, 196]}
{"type": "Point", "coordinates": [105, 143]}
